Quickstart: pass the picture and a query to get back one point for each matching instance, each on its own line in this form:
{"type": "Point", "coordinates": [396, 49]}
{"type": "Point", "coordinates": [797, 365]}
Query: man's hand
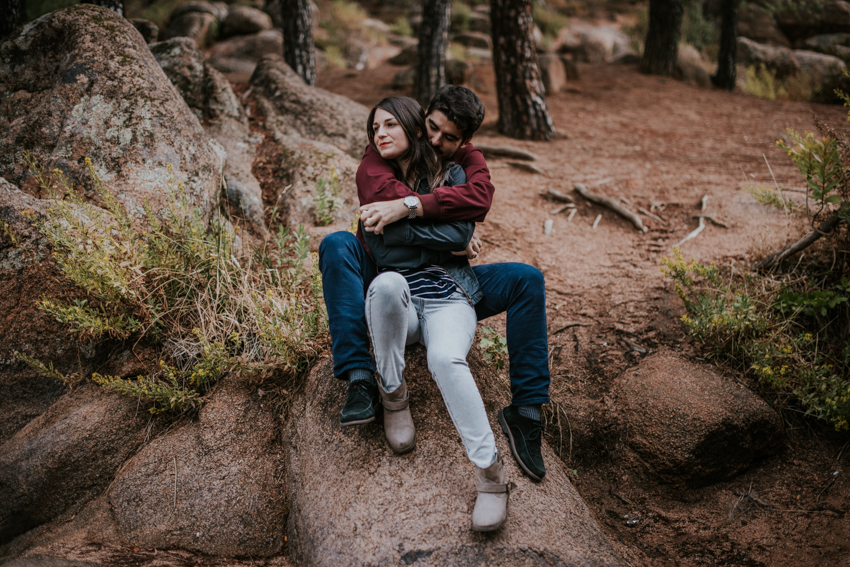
{"type": "Point", "coordinates": [472, 249]}
{"type": "Point", "coordinates": [376, 216]}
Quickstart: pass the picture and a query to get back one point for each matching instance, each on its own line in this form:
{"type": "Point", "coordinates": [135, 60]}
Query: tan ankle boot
{"type": "Point", "coordinates": [398, 423]}
{"type": "Point", "coordinates": [491, 506]}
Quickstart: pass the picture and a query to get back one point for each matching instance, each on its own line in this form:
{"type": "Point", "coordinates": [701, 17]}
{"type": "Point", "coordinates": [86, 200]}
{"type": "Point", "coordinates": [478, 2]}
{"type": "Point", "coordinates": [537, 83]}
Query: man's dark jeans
{"type": "Point", "coordinates": [347, 270]}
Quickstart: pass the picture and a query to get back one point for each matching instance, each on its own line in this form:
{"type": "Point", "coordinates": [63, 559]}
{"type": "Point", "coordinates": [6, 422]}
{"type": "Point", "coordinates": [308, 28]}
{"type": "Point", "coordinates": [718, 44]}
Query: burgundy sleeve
{"type": "Point", "coordinates": [470, 201]}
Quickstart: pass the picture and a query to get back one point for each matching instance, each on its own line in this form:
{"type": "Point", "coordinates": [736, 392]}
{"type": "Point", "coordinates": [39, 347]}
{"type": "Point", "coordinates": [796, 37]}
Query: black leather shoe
{"type": "Point", "coordinates": [360, 403]}
{"type": "Point", "coordinates": [525, 437]}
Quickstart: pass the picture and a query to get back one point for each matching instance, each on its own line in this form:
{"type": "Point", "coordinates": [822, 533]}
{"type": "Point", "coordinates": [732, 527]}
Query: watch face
{"type": "Point", "coordinates": [410, 201]}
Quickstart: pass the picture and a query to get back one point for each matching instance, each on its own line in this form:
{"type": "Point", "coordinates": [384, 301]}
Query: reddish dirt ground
{"type": "Point", "coordinates": [651, 140]}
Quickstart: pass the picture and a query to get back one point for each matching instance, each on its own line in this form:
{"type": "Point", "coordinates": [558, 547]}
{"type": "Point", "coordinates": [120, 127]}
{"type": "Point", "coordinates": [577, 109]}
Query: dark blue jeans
{"type": "Point", "coordinates": [347, 270]}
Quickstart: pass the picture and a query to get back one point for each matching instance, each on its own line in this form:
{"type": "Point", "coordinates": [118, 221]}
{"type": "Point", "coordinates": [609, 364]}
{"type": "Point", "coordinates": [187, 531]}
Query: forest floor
{"type": "Point", "coordinates": [656, 141]}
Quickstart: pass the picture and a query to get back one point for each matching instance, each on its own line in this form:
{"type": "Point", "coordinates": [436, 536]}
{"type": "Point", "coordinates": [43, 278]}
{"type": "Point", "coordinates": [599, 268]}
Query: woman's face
{"type": "Point", "coordinates": [390, 138]}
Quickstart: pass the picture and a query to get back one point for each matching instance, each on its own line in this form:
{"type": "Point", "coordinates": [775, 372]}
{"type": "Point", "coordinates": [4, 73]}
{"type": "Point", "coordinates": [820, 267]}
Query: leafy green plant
{"type": "Point", "coordinates": [184, 283]}
{"type": "Point", "coordinates": [548, 20]}
{"type": "Point", "coordinates": [820, 164]}
{"type": "Point", "coordinates": [9, 233]}
{"type": "Point", "coordinates": [495, 347]}
{"type": "Point", "coordinates": [793, 342]}
{"type": "Point", "coordinates": [402, 27]}
{"type": "Point", "coordinates": [461, 17]}
{"type": "Point", "coordinates": [770, 197]}
{"type": "Point", "coordinates": [326, 198]}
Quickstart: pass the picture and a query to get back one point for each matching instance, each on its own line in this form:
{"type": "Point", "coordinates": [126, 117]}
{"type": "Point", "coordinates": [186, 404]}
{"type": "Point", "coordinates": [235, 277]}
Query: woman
{"type": "Point", "coordinates": [426, 294]}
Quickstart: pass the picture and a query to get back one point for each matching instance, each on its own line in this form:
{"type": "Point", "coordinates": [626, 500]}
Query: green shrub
{"type": "Point", "coordinates": [187, 285]}
{"type": "Point", "coordinates": [762, 82]}
{"type": "Point", "coordinates": [326, 199]}
{"type": "Point", "coordinates": [548, 20]}
{"type": "Point", "coordinates": [794, 343]}
{"type": "Point", "coordinates": [769, 197]}
{"type": "Point", "coordinates": [461, 17]}
{"type": "Point", "coordinates": [402, 27]}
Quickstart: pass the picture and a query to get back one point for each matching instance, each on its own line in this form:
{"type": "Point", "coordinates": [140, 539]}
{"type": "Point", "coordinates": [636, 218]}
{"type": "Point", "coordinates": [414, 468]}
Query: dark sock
{"type": "Point", "coordinates": [361, 374]}
{"type": "Point", "coordinates": [531, 412]}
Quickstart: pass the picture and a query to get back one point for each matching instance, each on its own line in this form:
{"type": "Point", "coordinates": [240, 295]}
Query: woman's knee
{"type": "Point", "coordinates": [452, 365]}
{"type": "Point", "coordinates": [388, 287]}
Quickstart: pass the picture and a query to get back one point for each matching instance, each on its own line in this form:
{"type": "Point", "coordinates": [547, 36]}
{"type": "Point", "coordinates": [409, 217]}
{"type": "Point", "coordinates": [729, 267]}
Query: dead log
{"type": "Point", "coordinates": [562, 208]}
{"type": "Point", "coordinates": [825, 228]}
{"type": "Point", "coordinates": [611, 204]}
{"type": "Point", "coordinates": [506, 151]}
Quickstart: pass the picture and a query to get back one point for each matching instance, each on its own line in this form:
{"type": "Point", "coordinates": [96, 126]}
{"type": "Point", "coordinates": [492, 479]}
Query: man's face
{"type": "Point", "coordinates": [445, 137]}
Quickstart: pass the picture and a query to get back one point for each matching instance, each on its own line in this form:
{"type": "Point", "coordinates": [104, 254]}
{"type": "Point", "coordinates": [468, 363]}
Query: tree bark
{"type": "Point", "coordinates": [725, 77]}
{"type": "Point", "coordinates": [431, 59]}
{"type": "Point", "coordinates": [298, 49]}
{"type": "Point", "coordinates": [523, 113]}
{"type": "Point", "coordinates": [14, 14]}
{"type": "Point", "coordinates": [114, 5]}
{"type": "Point", "coordinates": [662, 39]}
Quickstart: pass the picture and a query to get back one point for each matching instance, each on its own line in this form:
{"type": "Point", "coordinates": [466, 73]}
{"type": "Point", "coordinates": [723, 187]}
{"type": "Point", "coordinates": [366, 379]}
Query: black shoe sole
{"type": "Point", "coordinates": [514, 452]}
{"type": "Point", "coordinates": [357, 421]}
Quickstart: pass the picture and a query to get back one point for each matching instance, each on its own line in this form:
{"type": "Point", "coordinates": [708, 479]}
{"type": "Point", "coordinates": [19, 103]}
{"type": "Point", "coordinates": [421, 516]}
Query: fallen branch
{"type": "Point", "coordinates": [611, 204]}
{"type": "Point", "coordinates": [529, 167]}
{"type": "Point", "coordinates": [568, 326]}
{"type": "Point", "coordinates": [693, 234]}
{"type": "Point", "coordinates": [562, 209]}
{"type": "Point", "coordinates": [506, 151]}
{"type": "Point", "coordinates": [596, 222]}
{"type": "Point", "coordinates": [825, 228]}
{"type": "Point", "coordinates": [713, 220]}
{"type": "Point", "coordinates": [572, 214]}
{"type": "Point", "coordinates": [558, 196]}
{"type": "Point", "coordinates": [653, 216]}
{"type": "Point", "coordinates": [703, 204]}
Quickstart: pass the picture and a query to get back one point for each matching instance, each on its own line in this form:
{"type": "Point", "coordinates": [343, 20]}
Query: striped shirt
{"type": "Point", "coordinates": [432, 282]}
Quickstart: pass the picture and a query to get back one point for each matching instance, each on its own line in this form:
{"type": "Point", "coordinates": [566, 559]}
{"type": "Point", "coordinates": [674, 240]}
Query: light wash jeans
{"type": "Point", "coordinates": [446, 327]}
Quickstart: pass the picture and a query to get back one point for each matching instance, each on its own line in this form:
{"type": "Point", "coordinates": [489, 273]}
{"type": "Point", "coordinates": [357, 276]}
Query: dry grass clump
{"type": "Point", "coordinates": [188, 284]}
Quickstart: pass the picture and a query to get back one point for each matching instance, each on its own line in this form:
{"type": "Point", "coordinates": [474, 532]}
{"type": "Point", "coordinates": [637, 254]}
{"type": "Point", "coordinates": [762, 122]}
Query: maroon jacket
{"type": "Point", "coordinates": [470, 201]}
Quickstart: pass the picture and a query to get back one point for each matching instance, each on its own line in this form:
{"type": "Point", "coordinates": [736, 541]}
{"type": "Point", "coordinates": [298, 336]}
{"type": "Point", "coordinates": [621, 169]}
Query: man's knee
{"type": "Point", "coordinates": [336, 246]}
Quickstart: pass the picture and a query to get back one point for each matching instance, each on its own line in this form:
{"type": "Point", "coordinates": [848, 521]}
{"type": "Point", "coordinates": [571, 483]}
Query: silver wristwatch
{"type": "Point", "coordinates": [412, 203]}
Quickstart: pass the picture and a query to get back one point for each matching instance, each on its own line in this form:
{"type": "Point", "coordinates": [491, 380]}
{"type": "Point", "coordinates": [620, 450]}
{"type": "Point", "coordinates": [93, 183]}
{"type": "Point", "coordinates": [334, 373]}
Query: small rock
{"type": "Point", "coordinates": [407, 57]}
{"type": "Point", "coordinates": [457, 72]}
{"type": "Point", "coordinates": [552, 71]}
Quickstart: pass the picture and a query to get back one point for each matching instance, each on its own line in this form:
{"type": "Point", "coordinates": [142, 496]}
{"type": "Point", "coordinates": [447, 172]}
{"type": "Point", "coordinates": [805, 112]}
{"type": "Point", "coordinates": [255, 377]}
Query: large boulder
{"type": "Point", "coordinates": [212, 99]}
{"type": "Point", "coordinates": [312, 112]}
{"type": "Point", "coordinates": [690, 68]}
{"type": "Point", "coordinates": [757, 24]}
{"type": "Point", "coordinates": [66, 456]}
{"type": "Point", "coordinates": [473, 39]}
{"type": "Point", "coordinates": [299, 165]}
{"type": "Point", "coordinates": [212, 486]}
{"type": "Point", "coordinates": [774, 58]}
{"type": "Point", "coordinates": [240, 54]}
{"type": "Point", "coordinates": [355, 502]}
{"type": "Point", "coordinates": [81, 82]}
{"type": "Point", "coordinates": [202, 27]}
{"type": "Point", "coordinates": [408, 56]}
{"type": "Point", "coordinates": [689, 424]}
{"type": "Point", "coordinates": [814, 18]}
{"type": "Point", "coordinates": [824, 73]}
{"type": "Point", "coordinates": [592, 44]}
{"type": "Point", "coordinates": [245, 20]}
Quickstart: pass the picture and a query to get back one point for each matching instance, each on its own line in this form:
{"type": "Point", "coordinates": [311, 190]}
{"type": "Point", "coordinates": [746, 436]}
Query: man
{"type": "Point", "coordinates": [452, 118]}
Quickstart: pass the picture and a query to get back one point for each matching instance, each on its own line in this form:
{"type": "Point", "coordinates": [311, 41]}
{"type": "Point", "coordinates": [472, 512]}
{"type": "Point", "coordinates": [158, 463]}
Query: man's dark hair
{"type": "Point", "coordinates": [461, 106]}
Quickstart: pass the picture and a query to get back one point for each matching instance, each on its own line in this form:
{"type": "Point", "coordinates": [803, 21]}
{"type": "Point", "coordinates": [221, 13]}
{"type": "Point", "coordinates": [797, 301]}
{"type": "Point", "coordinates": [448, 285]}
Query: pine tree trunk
{"type": "Point", "coordinates": [662, 39]}
{"type": "Point", "coordinates": [725, 77]}
{"type": "Point", "coordinates": [431, 60]}
{"type": "Point", "coordinates": [298, 49]}
{"type": "Point", "coordinates": [14, 14]}
{"type": "Point", "coordinates": [114, 5]}
{"type": "Point", "coordinates": [523, 113]}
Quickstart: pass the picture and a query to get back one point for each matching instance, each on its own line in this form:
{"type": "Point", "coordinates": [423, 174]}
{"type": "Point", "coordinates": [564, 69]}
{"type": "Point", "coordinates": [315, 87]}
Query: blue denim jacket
{"type": "Point", "coordinates": [417, 244]}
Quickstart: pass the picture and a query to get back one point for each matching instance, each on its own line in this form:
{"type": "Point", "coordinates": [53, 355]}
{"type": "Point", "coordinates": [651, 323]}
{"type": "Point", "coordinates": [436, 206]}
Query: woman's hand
{"type": "Point", "coordinates": [472, 249]}
{"type": "Point", "coordinates": [376, 216]}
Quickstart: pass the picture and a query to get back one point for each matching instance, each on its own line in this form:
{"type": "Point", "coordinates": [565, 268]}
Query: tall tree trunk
{"type": "Point", "coordinates": [725, 77]}
{"type": "Point", "coordinates": [523, 113]}
{"type": "Point", "coordinates": [114, 5]}
{"type": "Point", "coordinates": [431, 59]}
{"type": "Point", "coordinates": [662, 39]}
{"type": "Point", "coordinates": [14, 14]}
{"type": "Point", "coordinates": [298, 49]}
